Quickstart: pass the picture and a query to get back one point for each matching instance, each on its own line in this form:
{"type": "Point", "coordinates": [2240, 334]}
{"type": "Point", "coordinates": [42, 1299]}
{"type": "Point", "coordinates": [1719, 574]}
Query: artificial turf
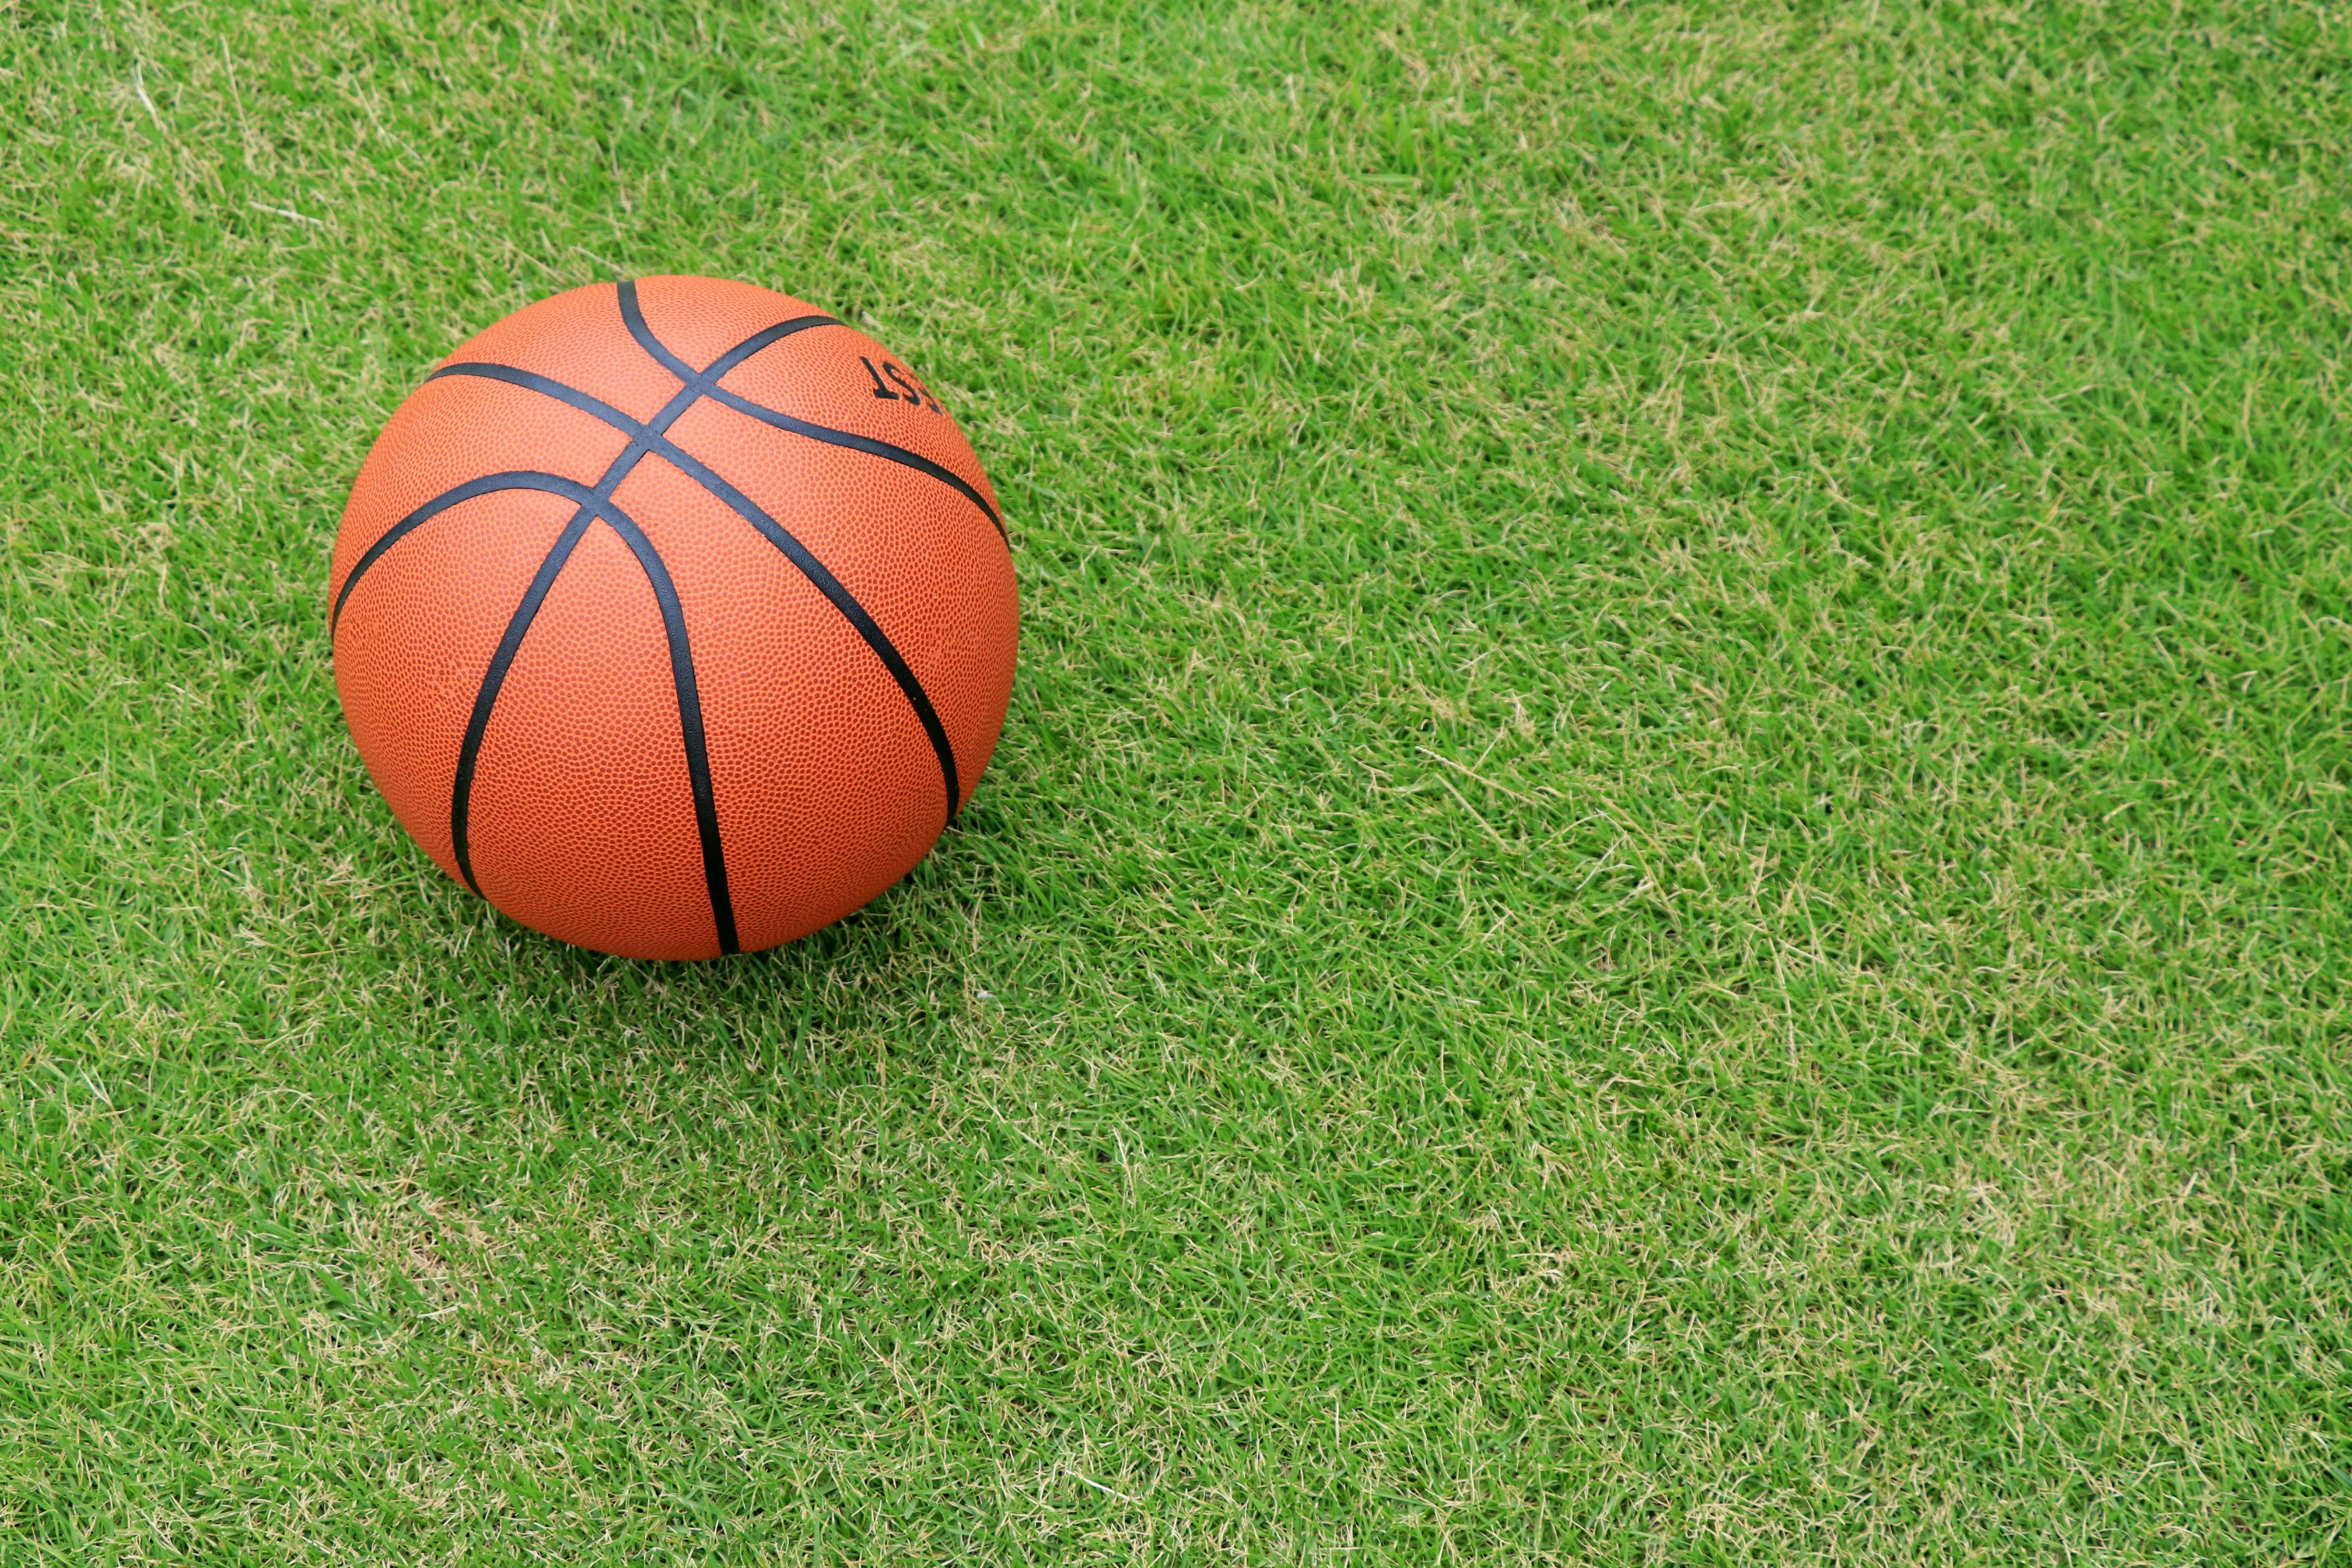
{"type": "Point", "coordinates": [1667, 882]}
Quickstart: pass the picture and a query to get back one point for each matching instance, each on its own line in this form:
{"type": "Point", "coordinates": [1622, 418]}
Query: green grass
{"type": "Point", "coordinates": [1667, 884]}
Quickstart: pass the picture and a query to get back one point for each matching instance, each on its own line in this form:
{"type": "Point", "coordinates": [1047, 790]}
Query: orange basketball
{"type": "Point", "coordinates": [675, 618]}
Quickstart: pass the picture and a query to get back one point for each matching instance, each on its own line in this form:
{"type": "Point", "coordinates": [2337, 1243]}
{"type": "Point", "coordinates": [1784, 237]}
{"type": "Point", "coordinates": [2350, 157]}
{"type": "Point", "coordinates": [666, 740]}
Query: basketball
{"type": "Point", "coordinates": [675, 618]}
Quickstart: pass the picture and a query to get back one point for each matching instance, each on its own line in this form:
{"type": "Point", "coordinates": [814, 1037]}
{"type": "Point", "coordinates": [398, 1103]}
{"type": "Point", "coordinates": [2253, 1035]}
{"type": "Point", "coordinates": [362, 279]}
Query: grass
{"type": "Point", "coordinates": [1668, 882]}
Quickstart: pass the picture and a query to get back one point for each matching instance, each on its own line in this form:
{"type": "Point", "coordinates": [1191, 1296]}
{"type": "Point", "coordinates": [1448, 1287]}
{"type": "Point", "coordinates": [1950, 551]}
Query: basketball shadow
{"type": "Point", "coordinates": [897, 974]}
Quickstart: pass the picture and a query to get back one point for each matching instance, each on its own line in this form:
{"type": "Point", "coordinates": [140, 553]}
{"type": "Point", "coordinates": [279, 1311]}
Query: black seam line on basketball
{"type": "Point", "coordinates": [594, 504]}
{"type": "Point", "coordinates": [486, 485]}
{"type": "Point", "coordinates": [669, 415]}
{"type": "Point", "coordinates": [865, 444]}
{"type": "Point", "coordinates": [521, 479]}
{"type": "Point", "coordinates": [634, 319]}
{"type": "Point", "coordinates": [689, 718]}
{"type": "Point", "coordinates": [701, 381]}
{"type": "Point", "coordinates": [707, 381]}
{"type": "Point", "coordinates": [705, 385]}
{"type": "Point", "coordinates": [774, 532]}
{"type": "Point", "coordinates": [486, 697]}
{"type": "Point", "coordinates": [494, 678]}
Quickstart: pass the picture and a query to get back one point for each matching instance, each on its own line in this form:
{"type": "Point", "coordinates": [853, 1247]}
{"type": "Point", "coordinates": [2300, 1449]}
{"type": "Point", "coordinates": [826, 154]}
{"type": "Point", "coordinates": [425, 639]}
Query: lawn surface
{"type": "Point", "coordinates": [1668, 883]}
